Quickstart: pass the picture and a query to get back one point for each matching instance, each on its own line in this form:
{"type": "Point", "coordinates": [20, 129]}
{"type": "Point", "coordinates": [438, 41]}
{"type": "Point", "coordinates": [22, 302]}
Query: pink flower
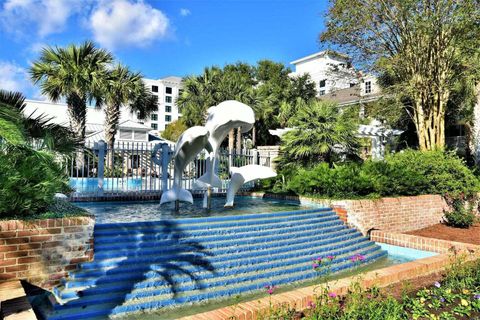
{"type": "Point", "coordinates": [319, 259]}
{"type": "Point", "coordinates": [270, 289]}
{"type": "Point", "coordinates": [311, 305]}
{"type": "Point", "coordinates": [330, 257]}
{"type": "Point", "coordinates": [315, 265]}
{"type": "Point", "coordinates": [332, 295]}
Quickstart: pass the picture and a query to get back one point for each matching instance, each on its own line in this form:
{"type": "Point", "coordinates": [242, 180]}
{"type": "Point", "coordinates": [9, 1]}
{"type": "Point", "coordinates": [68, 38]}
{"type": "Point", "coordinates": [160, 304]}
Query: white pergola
{"type": "Point", "coordinates": [375, 131]}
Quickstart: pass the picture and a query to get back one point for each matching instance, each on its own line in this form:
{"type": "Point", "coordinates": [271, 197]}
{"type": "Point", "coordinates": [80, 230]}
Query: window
{"type": "Point", "coordinates": [322, 92]}
{"type": "Point", "coordinates": [168, 99]}
{"type": "Point", "coordinates": [168, 118]}
{"type": "Point", "coordinates": [168, 108]}
{"type": "Point", "coordinates": [154, 117]}
{"type": "Point", "coordinates": [139, 136]}
{"type": "Point", "coordinates": [368, 87]}
{"type": "Point", "coordinates": [125, 135]}
{"type": "Point", "coordinates": [323, 83]}
{"type": "Point", "coordinates": [168, 90]}
{"type": "Point", "coordinates": [154, 126]}
{"type": "Point", "coordinates": [154, 88]}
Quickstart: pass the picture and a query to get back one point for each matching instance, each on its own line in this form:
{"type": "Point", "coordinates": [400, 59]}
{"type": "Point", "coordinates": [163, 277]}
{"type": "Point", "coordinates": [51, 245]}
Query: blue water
{"type": "Point", "coordinates": [106, 212]}
{"type": "Point", "coordinates": [89, 185]}
{"type": "Point", "coordinates": [399, 254]}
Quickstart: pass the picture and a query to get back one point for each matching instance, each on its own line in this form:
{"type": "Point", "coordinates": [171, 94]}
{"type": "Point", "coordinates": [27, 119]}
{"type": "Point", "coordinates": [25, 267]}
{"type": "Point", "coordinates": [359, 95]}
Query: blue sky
{"type": "Point", "coordinates": [159, 38]}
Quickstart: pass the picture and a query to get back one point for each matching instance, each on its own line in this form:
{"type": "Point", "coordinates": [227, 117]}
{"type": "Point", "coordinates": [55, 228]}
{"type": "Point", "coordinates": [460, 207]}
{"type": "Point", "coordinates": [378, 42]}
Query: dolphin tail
{"type": "Point", "coordinates": [176, 194]}
{"type": "Point", "coordinates": [205, 180]}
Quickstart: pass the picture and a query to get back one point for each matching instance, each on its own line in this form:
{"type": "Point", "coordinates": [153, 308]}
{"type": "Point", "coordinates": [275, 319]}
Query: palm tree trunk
{"type": "Point", "coordinates": [231, 142]}
{"type": "Point", "coordinates": [254, 136]}
{"type": "Point", "coordinates": [112, 118]}
{"type": "Point", "coordinates": [239, 140]}
{"type": "Point", "coordinates": [77, 110]}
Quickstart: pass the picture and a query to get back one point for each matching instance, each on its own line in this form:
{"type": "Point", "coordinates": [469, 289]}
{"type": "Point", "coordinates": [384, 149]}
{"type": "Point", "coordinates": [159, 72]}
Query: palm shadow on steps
{"type": "Point", "coordinates": [188, 252]}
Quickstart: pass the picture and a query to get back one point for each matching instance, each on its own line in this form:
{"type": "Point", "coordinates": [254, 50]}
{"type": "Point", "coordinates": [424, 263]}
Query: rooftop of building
{"type": "Point", "coordinates": [320, 54]}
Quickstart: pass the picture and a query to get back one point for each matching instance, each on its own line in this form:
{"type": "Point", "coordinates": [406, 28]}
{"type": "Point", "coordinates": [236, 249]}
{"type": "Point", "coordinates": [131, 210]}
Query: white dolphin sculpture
{"type": "Point", "coordinates": [243, 175]}
{"type": "Point", "coordinates": [221, 119]}
{"type": "Point", "coordinates": [190, 143]}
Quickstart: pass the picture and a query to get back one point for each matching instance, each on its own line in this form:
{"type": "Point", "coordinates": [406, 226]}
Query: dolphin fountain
{"type": "Point", "coordinates": [221, 119]}
{"type": "Point", "coordinates": [189, 144]}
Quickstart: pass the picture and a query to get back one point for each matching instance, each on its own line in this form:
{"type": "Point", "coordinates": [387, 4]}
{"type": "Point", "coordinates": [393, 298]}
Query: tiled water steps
{"type": "Point", "coordinates": [159, 300]}
{"type": "Point", "coordinates": [242, 235]}
{"type": "Point", "coordinates": [224, 268]}
{"type": "Point", "coordinates": [231, 253]}
{"type": "Point", "coordinates": [214, 242]}
{"type": "Point", "coordinates": [246, 252]}
{"type": "Point", "coordinates": [194, 230]}
{"type": "Point", "coordinates": [153, 280]}
{"type": "Point", "coordinates": [231, 247]}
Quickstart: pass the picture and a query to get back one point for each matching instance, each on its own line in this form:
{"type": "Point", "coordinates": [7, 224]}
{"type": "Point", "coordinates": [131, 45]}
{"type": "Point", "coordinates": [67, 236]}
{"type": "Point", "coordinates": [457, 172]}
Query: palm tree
{"type": "Point", "coordinates": [123, 87]}
{"type": "Point", "coordinates": [17, 128]}
{"type": "Point", "coordinates": [320, 132]}
{"type": "Point", "coordinates": [75, 73]}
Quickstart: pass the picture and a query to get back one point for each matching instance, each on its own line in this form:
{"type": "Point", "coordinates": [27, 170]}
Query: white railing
{"type": "Point", "coordinates": [134, 170]}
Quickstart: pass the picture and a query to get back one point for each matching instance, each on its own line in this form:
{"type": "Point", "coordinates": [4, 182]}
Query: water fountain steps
{"type": "Point", "coordinates": [189, 292]}
{"type": "Point", "coordinates": [153, 279]}
{"type": "Point", "coordinates": [221, 264]}
{"type": "Point", "coordinates": [247, 253]}
{"type": "Point", "coordinates": [214, 242]}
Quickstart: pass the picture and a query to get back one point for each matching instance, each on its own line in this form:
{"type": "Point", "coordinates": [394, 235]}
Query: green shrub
{"type": "Point", "coordinates": [29, 180]}
{"type": "Point", "coordinates": [402, 174]}
{"type": "Point", "coordinates": [460, 214]}
{"type": "Point", "coordinates": [429, 172]}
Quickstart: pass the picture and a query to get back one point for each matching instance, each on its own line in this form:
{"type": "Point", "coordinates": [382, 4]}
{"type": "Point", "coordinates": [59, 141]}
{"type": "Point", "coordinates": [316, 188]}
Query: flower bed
{"type": "Point", "coordinates": [455, 296]}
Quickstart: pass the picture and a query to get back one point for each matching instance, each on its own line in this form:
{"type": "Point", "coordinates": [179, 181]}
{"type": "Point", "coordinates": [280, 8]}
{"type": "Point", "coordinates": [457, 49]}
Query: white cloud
{"type": "Point", "coordinates": [39, 17]}
{"type": "Point", "coordinates": [184, 12]}
{"type": "Point", "coordinates": [121, 22]}
{"type": "Point", "coordinates": [13, 77]}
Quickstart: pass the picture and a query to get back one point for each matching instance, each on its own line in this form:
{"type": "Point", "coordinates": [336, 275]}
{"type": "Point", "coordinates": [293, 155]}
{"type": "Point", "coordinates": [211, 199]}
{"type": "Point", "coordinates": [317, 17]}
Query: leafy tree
{"type": "Point", "coordinates": [320, 132]}
{"type": "Point", "coordinates": [422, 47]}
{"type": "Point", "coordinates": [75, 73]}
{"type": "Point", "coordinates": [264, 87]}
{"type": "Point", "coordinates": [173, 130]}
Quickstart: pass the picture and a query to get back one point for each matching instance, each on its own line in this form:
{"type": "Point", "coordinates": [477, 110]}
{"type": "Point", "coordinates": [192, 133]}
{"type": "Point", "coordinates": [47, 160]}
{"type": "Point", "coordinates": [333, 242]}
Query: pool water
{"type": "Point", "coordinates": [90, 185]}
{"type": "Point", "coordinates": [106, 212]}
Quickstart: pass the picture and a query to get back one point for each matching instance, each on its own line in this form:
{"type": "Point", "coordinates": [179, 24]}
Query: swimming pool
{"type": "Point", "coordinates": [90, 185]}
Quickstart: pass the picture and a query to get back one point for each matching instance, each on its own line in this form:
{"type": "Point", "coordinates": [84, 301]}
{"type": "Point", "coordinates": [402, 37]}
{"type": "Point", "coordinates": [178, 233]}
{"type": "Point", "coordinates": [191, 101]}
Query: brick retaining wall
{"type": "Point", "coordinates": [399, 214]}
{"type": "Point", "coordinates": [42, 251]}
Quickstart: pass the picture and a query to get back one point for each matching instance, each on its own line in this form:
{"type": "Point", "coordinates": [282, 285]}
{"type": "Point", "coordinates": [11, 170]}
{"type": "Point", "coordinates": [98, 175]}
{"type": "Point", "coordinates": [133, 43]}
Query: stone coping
{"type": "Point", "coordinates": [421, 243]}
{"type": "Point", "coordinates": [301, 298]}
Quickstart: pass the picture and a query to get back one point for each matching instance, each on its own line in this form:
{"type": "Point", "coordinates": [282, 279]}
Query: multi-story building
{"type": "Point", "coordinates": [335, 78]}
{"type": "Point", "coordinates": [167, 91]}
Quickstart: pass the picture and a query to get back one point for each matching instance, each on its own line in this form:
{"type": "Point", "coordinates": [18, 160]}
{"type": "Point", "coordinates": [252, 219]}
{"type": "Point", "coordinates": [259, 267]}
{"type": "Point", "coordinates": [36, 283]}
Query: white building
{"type": "Point", "coordinates": [167, 90]}
{"type": "Point", "coordinates": [333, 71]}
{"type": "Point", "coordinates": [131, 128]}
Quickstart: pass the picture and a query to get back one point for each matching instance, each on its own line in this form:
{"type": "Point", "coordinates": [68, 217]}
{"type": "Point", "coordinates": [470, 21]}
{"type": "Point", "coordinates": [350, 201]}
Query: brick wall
{"type": "Point", "coordinates": [399, 214]}
{"type": "Point", "coordinates": [42, 251]}
{"type": "Point", "coordinates": [394, 214]}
